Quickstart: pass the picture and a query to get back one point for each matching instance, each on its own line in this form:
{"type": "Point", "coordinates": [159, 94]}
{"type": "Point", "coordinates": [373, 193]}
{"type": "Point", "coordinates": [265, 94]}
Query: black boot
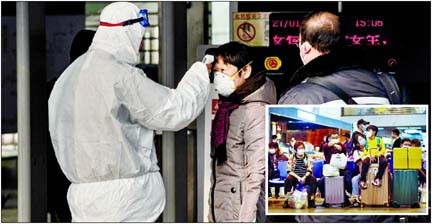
{"type": "Point", "coordinates": [285, 205]}
{"type": "Point", "coordinates": [311, 204]}
{"type": "Point", "coordinates": [325, 204]}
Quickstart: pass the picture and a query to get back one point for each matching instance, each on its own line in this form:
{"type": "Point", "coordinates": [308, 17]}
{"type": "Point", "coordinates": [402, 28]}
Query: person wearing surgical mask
{"type": "Point", "coordinates": [103, 113]}
{"type": "Point", "coordinates": [360, 131]}
{"type": "Point", "coordinates": [300, 172]}
{"type": "Point", "coordinates": [274, 156]}
{"type": "Point", "coordinates": [360, 144]}
{"type": "Point", "coordinates": [238, 136]}
{"type": "Point", "coordinates": [406, 143]}
{"type": "Point", "coordinates": [334, 146]}
{"type": "Point", "coordinates": [274, 139]}
{"type": "Point", "coordinates": [374, 151]}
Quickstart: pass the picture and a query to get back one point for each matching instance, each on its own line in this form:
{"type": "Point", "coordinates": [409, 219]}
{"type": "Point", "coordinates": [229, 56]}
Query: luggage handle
{"type": "Point", "coordinates": [408, 165]}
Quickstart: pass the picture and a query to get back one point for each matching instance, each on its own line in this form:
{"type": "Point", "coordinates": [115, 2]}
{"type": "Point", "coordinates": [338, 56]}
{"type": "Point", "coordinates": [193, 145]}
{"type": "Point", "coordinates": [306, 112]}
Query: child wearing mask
{"type": "Point", "coordinates": [373, 152]}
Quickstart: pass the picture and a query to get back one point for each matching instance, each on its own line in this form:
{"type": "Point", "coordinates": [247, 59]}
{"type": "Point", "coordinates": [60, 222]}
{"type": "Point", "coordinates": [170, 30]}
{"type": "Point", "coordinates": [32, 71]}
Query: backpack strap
{"type": "Point", "coordinates": [391, 87]}
{"type": "Point", "coordinates": [333, 88]}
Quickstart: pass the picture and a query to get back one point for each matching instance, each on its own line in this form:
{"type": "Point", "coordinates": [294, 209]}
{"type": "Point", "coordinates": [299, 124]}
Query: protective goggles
{"type": "Point", "coordinates": [142, 19]}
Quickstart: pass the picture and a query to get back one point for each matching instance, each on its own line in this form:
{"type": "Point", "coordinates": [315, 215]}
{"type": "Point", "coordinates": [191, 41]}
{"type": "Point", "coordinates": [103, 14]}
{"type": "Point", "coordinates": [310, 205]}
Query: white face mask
{"type": "Point", "coordinates": [300, 152]}
{"type": "Point", "coordinates": [362, 142]}
{"type": "Point", "coordinates": [302, 56]}
{"type": "Point", "coordinates": [368, 134]}
{"type": "Point", "coordinates": [272, 151]}
{"type": "Point", "coordinates": [335, 140]}
{"type": "Point", "coordinates": [224, 85]}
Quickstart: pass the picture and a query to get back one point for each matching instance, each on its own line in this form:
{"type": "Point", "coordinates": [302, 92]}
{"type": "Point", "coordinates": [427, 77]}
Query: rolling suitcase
{"type": "Point", "coordinates": [374, 195]}
{"type": "Point", "coordinates": [405, 188]}
{"type": "Point", "coordinates": [334, 190]}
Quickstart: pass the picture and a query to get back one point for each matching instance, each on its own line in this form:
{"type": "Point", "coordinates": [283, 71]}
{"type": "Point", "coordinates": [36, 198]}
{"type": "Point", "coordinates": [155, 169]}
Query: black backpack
{"type": "Point", "coordinates": [387, 80]}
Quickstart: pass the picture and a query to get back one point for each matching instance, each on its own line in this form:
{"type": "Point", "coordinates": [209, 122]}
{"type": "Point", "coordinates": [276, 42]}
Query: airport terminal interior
{"type": "Point", "coordinates": [311, 125]}
{"type": "Point", "coordinates": [379, 35]}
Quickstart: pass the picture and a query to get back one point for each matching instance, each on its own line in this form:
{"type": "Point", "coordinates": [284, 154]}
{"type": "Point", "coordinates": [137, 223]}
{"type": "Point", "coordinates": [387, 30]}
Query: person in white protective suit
{"type": "Point", "coordinates": [102, 115]}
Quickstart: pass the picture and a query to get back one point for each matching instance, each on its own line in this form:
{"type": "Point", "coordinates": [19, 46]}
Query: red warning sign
{"type": "Point", "coordinates": [246, 32]}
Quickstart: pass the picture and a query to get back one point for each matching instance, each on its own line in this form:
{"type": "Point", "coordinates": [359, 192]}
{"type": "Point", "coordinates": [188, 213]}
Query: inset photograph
{"type": "Point", "coordinates": [353, 160]}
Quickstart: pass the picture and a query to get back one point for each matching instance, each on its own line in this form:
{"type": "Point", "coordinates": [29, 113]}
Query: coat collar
{"type": "Point", "coordinates": [266, 93]}
{"type": "Point", "coordinates": [323, 65]}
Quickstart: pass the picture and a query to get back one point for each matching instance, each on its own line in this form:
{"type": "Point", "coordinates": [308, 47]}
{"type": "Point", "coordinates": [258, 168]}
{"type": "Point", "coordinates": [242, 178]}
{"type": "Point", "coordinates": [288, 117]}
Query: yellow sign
{"type": "Point", "coordinates": [272, 63]}
{"type": "Point", "coordinates": [251, 28]}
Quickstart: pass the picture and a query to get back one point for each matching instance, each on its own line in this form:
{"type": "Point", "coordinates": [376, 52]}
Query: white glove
{"type": "Point", "coordinates": [208, 59]}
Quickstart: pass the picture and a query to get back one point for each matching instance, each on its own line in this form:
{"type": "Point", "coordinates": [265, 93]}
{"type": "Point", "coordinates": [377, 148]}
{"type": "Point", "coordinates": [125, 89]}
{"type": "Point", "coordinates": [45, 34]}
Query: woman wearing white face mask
{"type": "Point", "coordinates": [238, 160]}
{"type": "Point", "coordinates": [359, 143]}
{"type": "Point", "coordinates": [300, 171]}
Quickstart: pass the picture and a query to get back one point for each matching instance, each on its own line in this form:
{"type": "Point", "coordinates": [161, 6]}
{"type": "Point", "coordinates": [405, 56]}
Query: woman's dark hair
{"type": "Point", "coordinates": [405, 140]}
{"type": "Point", "coordinates": [415, 142]}
{"type": "Point", "coordinates": [297, 144]}
{"type": "Point", "coordinates": [235, 53]}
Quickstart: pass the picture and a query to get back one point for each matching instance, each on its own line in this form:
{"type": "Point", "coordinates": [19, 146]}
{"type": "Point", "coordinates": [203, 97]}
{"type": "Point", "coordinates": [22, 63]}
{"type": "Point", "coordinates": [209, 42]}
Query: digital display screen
{"type": "Point", "coordinates": [367, 30]}
{"type": "Point", "coordinates": [359, 30]}
{"type": "Point", "coordinates": [284, 28]}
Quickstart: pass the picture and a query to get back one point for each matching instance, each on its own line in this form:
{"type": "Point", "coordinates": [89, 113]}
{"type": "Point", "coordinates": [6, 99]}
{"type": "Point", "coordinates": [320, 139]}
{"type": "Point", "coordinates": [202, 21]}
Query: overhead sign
{"type": "Point", "coordinates": [360, 30]}
{"type": "Point", "coordinates": [246, 32]}
{"type": "Point", "coordinates": [251, 28]}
